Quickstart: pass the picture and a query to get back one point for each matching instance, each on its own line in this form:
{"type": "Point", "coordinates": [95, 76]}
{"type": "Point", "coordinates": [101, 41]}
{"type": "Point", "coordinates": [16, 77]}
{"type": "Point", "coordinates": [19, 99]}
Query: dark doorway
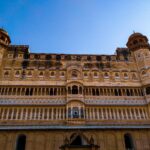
{"type": "Point", "coordinates": [128, 142]}
{"type": "Point", "coordinates": [21, 142]}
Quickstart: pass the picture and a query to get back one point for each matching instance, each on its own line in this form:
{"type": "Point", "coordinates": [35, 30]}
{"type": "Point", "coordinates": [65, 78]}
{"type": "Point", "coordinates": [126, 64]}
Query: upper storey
{"type": "Point", "coordinates": [19, 64]}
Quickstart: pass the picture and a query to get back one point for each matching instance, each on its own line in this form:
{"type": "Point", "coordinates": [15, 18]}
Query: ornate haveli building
{"type": "Point", "coordinates": [75, 102]}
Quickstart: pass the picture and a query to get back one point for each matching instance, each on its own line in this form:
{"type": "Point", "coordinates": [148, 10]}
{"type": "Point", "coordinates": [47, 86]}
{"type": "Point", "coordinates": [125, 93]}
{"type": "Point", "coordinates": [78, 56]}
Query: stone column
{"type": "Point", "coordinates": [97, 113]}
{"type": "Point", "coordinates": [127, 114]}
{"type": "Point", "coordinates": [139, 114]}
{"type": "Point", "coordinates": [114, 114]}
{"type": "Point", "coordinates": [26, 114]}
{"type": "Point", "coordinates": [52, 114]}
{"type": "Point", "coordinates": [21, 113]}
{"type": "Point", "coordinates": [31, 114]}
{"type": "Point", "coordinates": [135, 116]}
{"type": "Point", "coordinates": [102, 114]}
{"type": "Point", "coordinates": [17, 114]}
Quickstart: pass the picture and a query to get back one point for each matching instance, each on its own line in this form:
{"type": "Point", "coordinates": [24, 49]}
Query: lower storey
{"type": "Point", "coordinates": [91, 139]}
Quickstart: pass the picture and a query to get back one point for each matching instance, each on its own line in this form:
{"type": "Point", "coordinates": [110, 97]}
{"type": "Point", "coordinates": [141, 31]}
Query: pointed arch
{"type": "Point", "coordinates": [78, 139]}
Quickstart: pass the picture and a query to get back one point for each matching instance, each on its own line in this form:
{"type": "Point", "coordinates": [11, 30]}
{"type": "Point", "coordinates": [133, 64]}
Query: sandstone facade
{"type": "Point", "coordinates": [74, 102]}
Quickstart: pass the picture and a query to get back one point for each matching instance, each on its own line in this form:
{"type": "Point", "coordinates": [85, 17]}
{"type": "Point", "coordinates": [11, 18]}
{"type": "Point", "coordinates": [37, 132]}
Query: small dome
{"type": "Point", "coordinates": [137, 40]}
{"type": "Point", "coordinates": [134, 35]}
{"type": "Point", "coordinates": [4, 31]}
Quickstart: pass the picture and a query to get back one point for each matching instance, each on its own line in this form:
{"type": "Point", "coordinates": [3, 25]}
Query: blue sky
{"type": "Point", "coordinates": [74, 26]}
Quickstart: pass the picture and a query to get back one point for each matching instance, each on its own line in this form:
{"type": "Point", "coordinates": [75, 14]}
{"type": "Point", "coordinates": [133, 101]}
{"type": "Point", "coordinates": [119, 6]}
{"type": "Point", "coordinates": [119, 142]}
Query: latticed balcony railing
{"type": "Point", "coordinates": [88, 114]}
{"type": "Point", "coordinates": [73, 90]}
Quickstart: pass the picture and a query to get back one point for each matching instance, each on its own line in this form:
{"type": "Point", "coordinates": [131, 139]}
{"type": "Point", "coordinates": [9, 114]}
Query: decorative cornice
{"type": "Point", "coordinates": [31, 102]}
{"type": "Point", "coordinates": [63, 127]}
{"type": "Point", "coordinates": [64, 102]}
{"type": "Point", "coordinates": [116, 102]}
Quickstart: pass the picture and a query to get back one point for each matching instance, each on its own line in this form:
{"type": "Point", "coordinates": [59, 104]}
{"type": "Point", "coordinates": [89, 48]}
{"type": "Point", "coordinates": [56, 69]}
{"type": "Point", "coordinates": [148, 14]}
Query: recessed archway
{"type": "Point", "coordinates": [128, 142]}
{"type": "Point", "coordinates": [21, 142]}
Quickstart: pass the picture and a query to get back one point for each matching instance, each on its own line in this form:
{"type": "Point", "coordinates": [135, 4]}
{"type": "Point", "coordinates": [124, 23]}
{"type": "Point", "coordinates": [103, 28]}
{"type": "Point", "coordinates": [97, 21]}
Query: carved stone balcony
{"type": "Point", "coordinates": [79, 97]}
{"type": "Point", "coordinates": [75, 121]}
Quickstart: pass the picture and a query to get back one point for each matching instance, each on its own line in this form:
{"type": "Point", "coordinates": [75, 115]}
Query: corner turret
{"type": "Point", "coordinates": [4, 43]}
{"type": "Point", "coordinates": [4, 38]}
{"type": "Point", "coordinates": [140, 49]}
{"type": "Point", "coordinates": [137, 41]}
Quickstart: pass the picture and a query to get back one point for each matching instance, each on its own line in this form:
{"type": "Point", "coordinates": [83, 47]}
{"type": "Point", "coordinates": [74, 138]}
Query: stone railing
{"type": "Point", "coordinates": [114, 97]}
{"type": "Point", "coordinates": [33, 97]}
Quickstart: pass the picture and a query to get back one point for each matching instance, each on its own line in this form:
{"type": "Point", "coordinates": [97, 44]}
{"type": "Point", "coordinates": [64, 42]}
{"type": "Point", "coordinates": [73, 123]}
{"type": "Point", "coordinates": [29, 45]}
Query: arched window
{"type": "Point", "coordinates": [58, 57]}
{"type": "Point", "coordinates": [74, 89]}
{"type": "Point", "coordinates": [141, 40]}
{"type": "Point", "coordinates": [95, 74]}
{"type": "Point", "coordinates": [77, 141]}
{"type": "Point", "coordinates": [117, 75]}
{"type": "Point", "coordinates": [29, 73]}
{"type": "Point", "coordinates": [106, 75]}
{"type": "Point", "coordinates": [125, 75]}
{"type": "Point", "coordinates": [52, 74]}
{"type": "Point", "coordinates": [135, 42]}
{"type": "Point", "coordinates": [6, 74]}
{"type": "Point", "coordinates": [89, 58]}
{"type": "Point", "coordinates": [2, 38]}
{"type": "Point", "coordinates": [17, 73]}
{"type": "Point", "coordinates": [75, 112]}
{"type": "Point", "coordinates": [128, 142]}
{"type": "Point", "coordinates": [41, 74]}
{"type": "Point", "coordinates": [148, 90]}
{"type": "Point", "coordinates": [21, 142]}
{"type": "Point", "coordinates": [74, 74]}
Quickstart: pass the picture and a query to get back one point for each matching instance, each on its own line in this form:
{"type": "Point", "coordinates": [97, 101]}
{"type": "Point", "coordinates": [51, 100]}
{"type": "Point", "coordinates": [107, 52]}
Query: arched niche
{"type": "Point", "coordinates": [74, 71]}
{"type": "Point", "coordinates": [21, 142]}
{"type": "Point", "coordinates": [128, 141]}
